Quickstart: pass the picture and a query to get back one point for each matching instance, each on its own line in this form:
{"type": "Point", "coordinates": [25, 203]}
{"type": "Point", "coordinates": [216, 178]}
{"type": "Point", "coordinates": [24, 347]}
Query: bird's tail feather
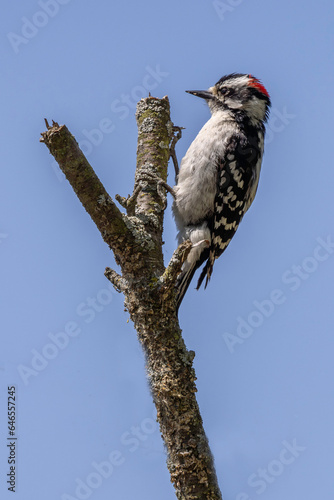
{"type": "Point", "coordinates": [206, 271]}
{"type": "Point", "coordinates": [183, 282]}
{"type": "Point", "coordinates": [186, 275]}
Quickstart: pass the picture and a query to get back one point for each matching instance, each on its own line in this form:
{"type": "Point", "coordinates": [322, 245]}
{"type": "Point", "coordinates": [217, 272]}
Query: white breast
{"type": "Point", "coordinates": [196, 187]}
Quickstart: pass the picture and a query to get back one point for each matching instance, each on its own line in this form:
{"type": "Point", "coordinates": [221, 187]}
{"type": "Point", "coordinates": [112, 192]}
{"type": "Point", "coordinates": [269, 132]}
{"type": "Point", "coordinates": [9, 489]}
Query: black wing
{"type": "Point", "coordinates": [236, 175]}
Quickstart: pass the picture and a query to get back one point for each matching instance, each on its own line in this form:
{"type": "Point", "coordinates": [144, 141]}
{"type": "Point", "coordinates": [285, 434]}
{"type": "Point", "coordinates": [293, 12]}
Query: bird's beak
{"type": "Point", "coordinates": [204, 94]}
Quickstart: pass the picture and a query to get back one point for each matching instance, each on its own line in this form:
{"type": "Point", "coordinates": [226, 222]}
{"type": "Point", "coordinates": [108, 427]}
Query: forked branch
{"type": "Point", "coordinates": [149, 287]}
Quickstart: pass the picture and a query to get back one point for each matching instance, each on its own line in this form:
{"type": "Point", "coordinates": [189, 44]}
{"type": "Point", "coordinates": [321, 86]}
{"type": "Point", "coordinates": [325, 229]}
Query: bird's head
{"type": "Point", "coordinates": [238, 93]}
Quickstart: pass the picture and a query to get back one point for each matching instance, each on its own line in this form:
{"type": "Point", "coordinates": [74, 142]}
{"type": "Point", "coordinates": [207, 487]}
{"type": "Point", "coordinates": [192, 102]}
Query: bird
{"type": "Point", "coordinates": [219, 174]}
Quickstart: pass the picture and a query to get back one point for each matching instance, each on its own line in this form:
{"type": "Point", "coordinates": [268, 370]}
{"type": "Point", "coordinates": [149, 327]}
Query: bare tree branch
{"type": "Point", "coordinates": [149, 288]}
{"type": "Point", "coordinates": [116, 280]}
{"type": "Point", "coordinates": [108, 218]}
{"type": "Point", "coordinates": [174, 267]}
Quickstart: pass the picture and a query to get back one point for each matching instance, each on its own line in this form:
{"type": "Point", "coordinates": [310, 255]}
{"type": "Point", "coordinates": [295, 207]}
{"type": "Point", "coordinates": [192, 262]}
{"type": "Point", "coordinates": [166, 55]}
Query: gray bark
{"type": "Point", "coordinates": [149, 288]}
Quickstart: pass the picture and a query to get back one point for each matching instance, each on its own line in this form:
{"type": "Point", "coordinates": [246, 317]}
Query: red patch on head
{"type": "Point", "coordinates": [254, 82]}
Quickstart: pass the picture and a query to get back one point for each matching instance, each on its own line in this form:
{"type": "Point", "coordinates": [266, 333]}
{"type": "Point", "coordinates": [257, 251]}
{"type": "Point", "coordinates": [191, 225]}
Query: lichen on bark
{"type": "Point", "coordinates": [149, 287]}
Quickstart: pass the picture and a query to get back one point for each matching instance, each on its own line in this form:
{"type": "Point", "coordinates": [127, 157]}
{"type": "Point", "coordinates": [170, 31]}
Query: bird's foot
{"type": "Point", "coordinates": [177, 134]}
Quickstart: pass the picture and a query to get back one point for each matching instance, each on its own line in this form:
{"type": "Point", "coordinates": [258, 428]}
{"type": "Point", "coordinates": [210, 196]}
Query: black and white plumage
{"type": "Point", "coordinates": [220, 172]}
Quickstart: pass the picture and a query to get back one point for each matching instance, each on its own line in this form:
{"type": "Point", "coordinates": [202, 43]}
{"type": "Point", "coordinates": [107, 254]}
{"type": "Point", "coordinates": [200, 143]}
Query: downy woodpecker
{"type": "Point", "coordinates": [220, 172]}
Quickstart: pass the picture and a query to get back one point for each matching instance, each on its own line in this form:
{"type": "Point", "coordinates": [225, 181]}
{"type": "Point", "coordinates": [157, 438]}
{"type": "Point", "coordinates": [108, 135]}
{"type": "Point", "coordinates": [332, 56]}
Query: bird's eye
{"type": "Point", "coordinates": [227, 91]}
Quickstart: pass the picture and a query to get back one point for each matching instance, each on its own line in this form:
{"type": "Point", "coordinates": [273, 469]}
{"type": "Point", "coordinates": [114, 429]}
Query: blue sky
{"type": "Point", "coordinates": [262, 330]}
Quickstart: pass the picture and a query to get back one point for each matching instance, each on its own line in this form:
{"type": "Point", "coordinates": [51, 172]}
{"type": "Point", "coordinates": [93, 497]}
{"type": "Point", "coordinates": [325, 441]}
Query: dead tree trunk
{"type": "Point", "coordinates": [136, 241]}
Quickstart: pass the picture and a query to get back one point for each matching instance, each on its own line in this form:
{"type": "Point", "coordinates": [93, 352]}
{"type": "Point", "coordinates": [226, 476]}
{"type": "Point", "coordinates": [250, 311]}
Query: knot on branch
{"type": "Point", "coordinates": [103, 200]}
{"type": "Point", "coordinates": [117, 281]}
